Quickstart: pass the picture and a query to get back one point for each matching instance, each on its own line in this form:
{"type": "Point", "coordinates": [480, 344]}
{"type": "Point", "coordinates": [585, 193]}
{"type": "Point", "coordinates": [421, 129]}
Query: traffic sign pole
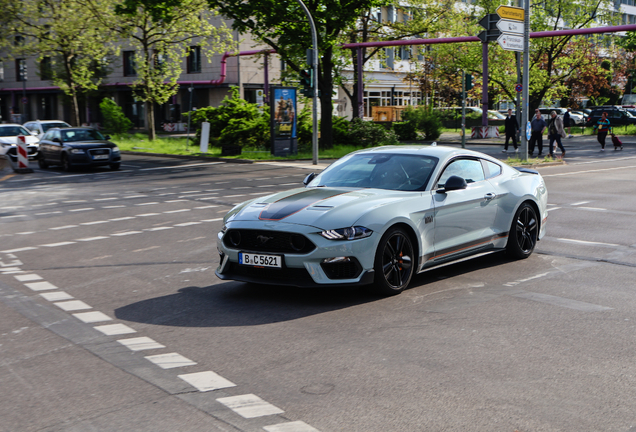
{"type": "Point", "coordinates": [526, 80]}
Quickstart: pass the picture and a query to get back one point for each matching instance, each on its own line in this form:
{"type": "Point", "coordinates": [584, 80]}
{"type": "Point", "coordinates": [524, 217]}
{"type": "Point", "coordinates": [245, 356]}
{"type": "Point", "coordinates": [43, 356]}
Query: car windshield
{"type": "Point", "coordinates": [7, 131]}
{"type": "Point", "coordinates": [74, 135]}
{"type": "Point", "coordinates": [47, 126]}
{"type": "Point", "coordinates": [404, 172]}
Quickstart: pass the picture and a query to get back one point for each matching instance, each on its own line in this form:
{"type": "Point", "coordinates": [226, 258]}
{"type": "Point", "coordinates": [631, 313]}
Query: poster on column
{"type": "Point", "coordinates": [284, 112]}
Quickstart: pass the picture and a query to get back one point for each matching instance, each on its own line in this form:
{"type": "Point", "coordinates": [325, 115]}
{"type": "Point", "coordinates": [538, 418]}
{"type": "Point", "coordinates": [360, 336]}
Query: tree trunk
{"type": "Point", "coordinates": [326, 107]}
{"type": "Point", "coordinates": [150, 121]}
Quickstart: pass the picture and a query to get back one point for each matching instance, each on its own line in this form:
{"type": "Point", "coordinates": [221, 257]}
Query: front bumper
{"type": "Point", "coordinates": [32, 152]}
{"type": "Point", "coordinates": [301, 269]}
{"type": "Point", "coordinates": [86, 159]}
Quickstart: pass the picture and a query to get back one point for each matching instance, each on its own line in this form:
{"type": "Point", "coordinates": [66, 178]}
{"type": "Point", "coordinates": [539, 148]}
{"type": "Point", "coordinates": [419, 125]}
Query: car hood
{"type": "Point", "coordinates": [89, 144]}
{"type": "Point", "coordinates": [323, 208]}
{"type": "Point", "coordinates": [13, 140]}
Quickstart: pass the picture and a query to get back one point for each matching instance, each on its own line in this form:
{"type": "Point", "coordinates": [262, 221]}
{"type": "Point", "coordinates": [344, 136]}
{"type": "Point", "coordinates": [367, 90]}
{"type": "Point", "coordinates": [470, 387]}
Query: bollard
{"type": "Point", "coordinates": [205, 137]}
{"type": "Point", "coordinates": [23, 157]}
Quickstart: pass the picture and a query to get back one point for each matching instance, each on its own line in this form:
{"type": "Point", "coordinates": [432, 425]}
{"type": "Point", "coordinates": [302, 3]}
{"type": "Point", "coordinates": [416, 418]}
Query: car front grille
{"type": "Point", "coordinates": [286, 276]}
{"type": "Point", "coordinates": [100, 151]}
{"type": "Point", "coordinates": [267, 241]}
{"type": "Point", "coordinates": [31, 150]}
{"type": "Point", "coordinates": [350, 269]}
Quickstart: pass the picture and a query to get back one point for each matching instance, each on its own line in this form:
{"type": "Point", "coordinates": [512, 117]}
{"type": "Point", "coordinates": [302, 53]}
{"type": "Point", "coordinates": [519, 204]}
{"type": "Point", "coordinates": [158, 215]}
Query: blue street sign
{"type": "Point", "coordinates": [528, 130]}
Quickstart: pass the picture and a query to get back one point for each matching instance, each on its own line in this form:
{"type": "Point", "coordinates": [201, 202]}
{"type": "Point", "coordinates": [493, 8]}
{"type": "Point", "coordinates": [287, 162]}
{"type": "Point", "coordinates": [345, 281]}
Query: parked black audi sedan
{"type": "Point", "coordinates": [75, 147]}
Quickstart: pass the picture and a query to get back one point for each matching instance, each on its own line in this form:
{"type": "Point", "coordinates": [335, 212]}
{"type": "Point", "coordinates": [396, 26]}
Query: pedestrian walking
{"type": "Point", "coordinates": [567, 122]}
{"type": "Point", "coordinates": [537, 126]}
{"type": "Point", "coordinates": [618, 144]}
{"type": "Point", "coordinates": [511, 126]}
{"type": "Point", "coordinates": [602, 127]}
{"type": "Point", "coordinates": [555, 132]}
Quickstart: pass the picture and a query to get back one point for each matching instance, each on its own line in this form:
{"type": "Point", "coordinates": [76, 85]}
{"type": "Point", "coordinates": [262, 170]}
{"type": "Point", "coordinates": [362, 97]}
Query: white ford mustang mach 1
{"type": "Point", "coordinates": [378, 216]}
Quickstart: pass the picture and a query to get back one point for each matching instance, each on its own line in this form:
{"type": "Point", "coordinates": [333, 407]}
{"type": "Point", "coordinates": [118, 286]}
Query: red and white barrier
{"type": "Point", "coordinates": [23, 153]}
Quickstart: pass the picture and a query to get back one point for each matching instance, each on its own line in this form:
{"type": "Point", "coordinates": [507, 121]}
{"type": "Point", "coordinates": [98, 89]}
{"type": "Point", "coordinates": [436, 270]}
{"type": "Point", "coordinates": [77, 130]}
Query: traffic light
{"type": "Point", "coordinates": [307, 81]}
{"type": "Point", "coordinates": [469, 82]}
{"type": "Point", "coordinates": [22, 69]}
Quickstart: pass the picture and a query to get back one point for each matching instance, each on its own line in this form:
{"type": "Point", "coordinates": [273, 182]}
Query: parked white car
{"type": "Point", "coordinates": [9, 140]}
{"type": "Point", "coordinates": [39, 127]}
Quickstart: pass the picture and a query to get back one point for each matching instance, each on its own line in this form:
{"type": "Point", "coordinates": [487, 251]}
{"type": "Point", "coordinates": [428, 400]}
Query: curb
{"type": "Point", "coordinates": [196, 157]}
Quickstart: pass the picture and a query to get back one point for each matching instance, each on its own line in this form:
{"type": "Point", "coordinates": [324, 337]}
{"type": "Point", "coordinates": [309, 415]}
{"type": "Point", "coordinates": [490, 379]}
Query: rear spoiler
{"type": "Point", "coordinates": [526, 170]}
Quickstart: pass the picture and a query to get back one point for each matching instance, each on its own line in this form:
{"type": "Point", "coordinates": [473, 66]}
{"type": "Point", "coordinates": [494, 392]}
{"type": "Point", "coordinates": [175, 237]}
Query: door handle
{"type": "Point", "coordinates": [489, 196]}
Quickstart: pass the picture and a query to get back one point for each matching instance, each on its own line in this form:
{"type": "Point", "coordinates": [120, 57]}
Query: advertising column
{"type": "Point", "coordinates": [283, 109]}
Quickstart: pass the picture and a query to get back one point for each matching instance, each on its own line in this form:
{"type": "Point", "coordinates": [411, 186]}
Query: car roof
{"type": "Point", "coordinates": [438, 151]}
{"type": "Point", "coordinates": [10, 124]}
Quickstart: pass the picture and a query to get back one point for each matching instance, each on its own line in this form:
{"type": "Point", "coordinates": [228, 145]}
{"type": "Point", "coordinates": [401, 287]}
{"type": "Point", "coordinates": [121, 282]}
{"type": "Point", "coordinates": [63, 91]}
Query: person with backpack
{"type": "Point", "coordinates": [555, 132]}
{"type": "Point", "coordinates": [602, 127]}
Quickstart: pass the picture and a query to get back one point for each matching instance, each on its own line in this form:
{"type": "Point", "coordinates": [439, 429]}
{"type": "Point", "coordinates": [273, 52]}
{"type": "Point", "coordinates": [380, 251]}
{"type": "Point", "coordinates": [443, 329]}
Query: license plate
{"type": "Point", "coordinates": [100, 156]}
{"type": "Point", "coordinates": [260, 260]}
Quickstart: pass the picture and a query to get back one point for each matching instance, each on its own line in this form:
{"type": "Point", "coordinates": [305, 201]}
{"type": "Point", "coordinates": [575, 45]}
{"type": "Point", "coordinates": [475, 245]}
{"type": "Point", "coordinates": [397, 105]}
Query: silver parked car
{"type": "Point", "coordinates": [379, 216]}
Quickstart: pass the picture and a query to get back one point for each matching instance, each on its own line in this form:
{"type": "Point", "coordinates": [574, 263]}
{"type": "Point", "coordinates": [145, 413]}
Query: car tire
{"type": "Point", "coordinates": [115, 166]}
{"type": "Point", "coordinates": [524, 232]}
{"type": "Point", "coordinates": [393, 265]}
{"type": "Point", "coordinates": [42, 162]}
{"type": "Point", "coordinates": [66, 164]}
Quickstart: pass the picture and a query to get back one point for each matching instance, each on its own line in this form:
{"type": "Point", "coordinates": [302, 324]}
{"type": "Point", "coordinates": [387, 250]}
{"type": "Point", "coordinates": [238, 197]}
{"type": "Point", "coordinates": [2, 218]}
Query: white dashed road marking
{"type": "Point", "coordinates": [56, 296]}
{"type": "Point", "coordinates": [92, 317]}
{"type": "Point", "coordinates": [40, 286]}
{"type": "Point", "coordinates": [140, 344]}
{"type": "Point", "coordinates": [28, 277]}
{"type": "Point", "coordinates": [114, 329]}
{"type": "Point", "coordinates": [63, 227]}
{"type": "Point", "coordinates": [87, 239]}
{"type": "Point", "coordinates": [126, 233]}
{"type": "Point", "coordinates": [72, 305]}
{"type": "Point", "coordinates": [249, 406]}
{"type": "Point", "coordinates": [207, 381]}
{"type": "Point", "coordinates": [170, 360]}
{"type": "Point", "coordinates": [19, 250]}
{"type": "Point", "coordinates": [58, 244]}
{"type": "Point", "coordinates": [297, 426]}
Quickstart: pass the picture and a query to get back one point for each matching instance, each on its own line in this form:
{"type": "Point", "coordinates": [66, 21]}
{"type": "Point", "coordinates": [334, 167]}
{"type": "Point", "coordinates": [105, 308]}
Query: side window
{"type": "Point", "coordinates": [492, 169]}
{"type": "Point", "coordinates": [48, 136]}
{"type": "Point", "coordinates": [29, 126]}
{"type": "Point", "coordinates": [56, 134]}
{"type": "Point", "coordinates": [468, 169]}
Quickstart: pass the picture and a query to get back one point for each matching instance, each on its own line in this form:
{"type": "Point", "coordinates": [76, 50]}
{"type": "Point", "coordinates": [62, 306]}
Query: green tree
{"type": "Point", "coordinates": [114, 119]}
{"type": "Point", "coordinates": [161, 32]}
{"type": "Point", "coordinates": [283, 26]}
{"type": "Point", "coordinates": [65, 37]}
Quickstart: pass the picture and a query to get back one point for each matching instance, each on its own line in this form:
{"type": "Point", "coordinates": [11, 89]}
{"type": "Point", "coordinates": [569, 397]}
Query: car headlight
{"type": "Point", "coordinates": [77, 151]}
{"type": "Point", "coordinates": [351, 233]}
{"type": "Point", "coordinates": [115, 149]}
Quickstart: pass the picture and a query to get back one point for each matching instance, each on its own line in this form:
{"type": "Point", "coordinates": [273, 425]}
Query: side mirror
{"type": "Point", "coordinates": [107, 137]}
{"type": "Point", "coordinates": [57, 140]}
{"type": "Point", "coordinates": [309, 178]}
{"type": "Point", "coordinates": [453, 183]}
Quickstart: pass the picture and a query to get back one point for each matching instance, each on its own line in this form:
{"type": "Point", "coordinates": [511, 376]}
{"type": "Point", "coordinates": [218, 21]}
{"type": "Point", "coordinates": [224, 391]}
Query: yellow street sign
{"type": "Point", "coordinates": [511, 13]}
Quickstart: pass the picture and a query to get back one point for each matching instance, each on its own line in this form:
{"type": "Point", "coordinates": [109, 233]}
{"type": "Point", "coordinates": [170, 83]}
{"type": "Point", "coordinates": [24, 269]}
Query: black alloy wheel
{"type": "Point", "coordinates": [42, 162]}
{"type": "Point", "coordinates": [393, 262]}
{"type": "Point", "coordinates": [524, 232]}
{"type": "Point", "coordinates": [66, 163]}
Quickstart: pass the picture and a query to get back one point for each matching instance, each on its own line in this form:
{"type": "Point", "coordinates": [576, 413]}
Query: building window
{"type": "Point", "coordinates": [194, 59]}
{"type": "Point", "coordinates": [46, 69]}
{"type": "Point", "coordinates": [20, 70]}
{"type": "Point", "coordinates": [129, 63]}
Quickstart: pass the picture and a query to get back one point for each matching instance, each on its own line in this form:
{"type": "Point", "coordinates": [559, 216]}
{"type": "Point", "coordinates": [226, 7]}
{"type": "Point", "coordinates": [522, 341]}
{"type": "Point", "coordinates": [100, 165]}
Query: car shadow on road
{"type": "Point", "coordinates": [230, 304]}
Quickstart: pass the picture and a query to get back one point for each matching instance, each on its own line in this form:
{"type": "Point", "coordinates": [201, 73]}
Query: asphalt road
{"type": "Point", "coordinates": [111, 318]}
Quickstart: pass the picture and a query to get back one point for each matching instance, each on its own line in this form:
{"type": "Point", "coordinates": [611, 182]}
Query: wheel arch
{"type": "Point", "coordinates": [415, 240]}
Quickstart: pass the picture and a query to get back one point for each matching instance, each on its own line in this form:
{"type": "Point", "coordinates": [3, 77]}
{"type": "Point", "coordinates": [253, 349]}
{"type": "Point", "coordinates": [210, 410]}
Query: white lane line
{"type": "Point", "coordinates": [122, 218]}
{"type": "Point", "coordinates": [72, 305]}
{"type": "Point", "coordinates": [205, 207]}
{"type": "Point", "coordinates": [147, 214]}
{"type": "Point", "coordinates": [158, 228]}
{"type": "Point", "coordinates": [211, 220]}
{"type": "Point", "coordinates": [28, 277]}
{"type": "Point", "coordinates": [134, 196]}
{"type": "Point", "coordinates": [206, 381]}
{"type": "Point", "coordinates": [181, 166]}
{"type": "Point", "coordinates": [590, 243]}
{"type": "Point", "coordinates": [48, 213]}
{"type": "Point", "coordinates": [289, 184]}
{"type": "Point", "coordinates": [161, 188]}
{"type": "Point", "coordinates": [563, 302]}
{"type": "Point", "coordinates": [26, 233]}
{"type": "Point", "coordinates": [115, 329]}
{"type": "Point", "coordinates": [126, 233]}
{"type": "Point", "coordinates": [82, 209]}
{"type": "Point", "coordinates": [190, 192]}
{"type": "Point", "coordinates": [593, 208]}
{"type": "Point", "coordinates": [170, 360]}
{"type": "Point", "coordinates": [18, 250]}
{"type": "Point", "coordinates": [58, 244]}
{"type": "Point", "coordinates": [87, 239]}
{"type": "Point", "coordinates": [146, 249]}
{"type": "Point", "coordinates": [166, 193]}
{"type": "Point", "coordinates": [177, 211]}
{"type": "Point", "coordinates": [296, 426]}
{"type": "Point", "coordinates": [112, 207]}
{"type": "Point", "coordinates": [553, 208]}
{"type": "Point", "coordinates": [241, 187]}
{"type": "Point", "coordinates": [74, 201]}
{"type": "Point", "coordinates": [106, 199]}
{"type": "Point", "coordinates": [63, 227]}
{"type": "Point", "coordinates": [249, 406]}
{"type": "Point", "coordinates": [140, 344]}
{"type": "Point", "coordinates": [580, 203]}
{"type": "Point", "coordinates": [91, 317]}
{"type": "Point", "coordinates": [263, 186]}
{"type": "Point", "coordinates": [177, 200]}
{"type": "Point", "coordinates": [213, 190]}
{"type": "Point", "coordinates": [94, 222]}
{"type": "Point", "coordinates": [147, 204]}
{"type": "Point", "coordinates": [56, 296]}
{"type": "Point", "coordinates": [233, 196]}
{"type": "Point", "coordinates": [13, 216]}
{"type": "Point", "coordinates": [187, 224]}
{"type": "Point", "coordinates": [206, 198]}
{"type": "Point", "coordinates": [589, 171]}
{"type": "Point", "coordinates": [259, 193]}
{"type": "Point", "coordinates": [40, 286]}
{"type": "Point", "coordinates": [222, 182]}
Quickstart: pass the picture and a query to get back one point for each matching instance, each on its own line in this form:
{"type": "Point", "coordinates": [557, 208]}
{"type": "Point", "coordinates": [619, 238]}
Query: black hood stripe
{"type": "Point", "coordinates": [294, 203]}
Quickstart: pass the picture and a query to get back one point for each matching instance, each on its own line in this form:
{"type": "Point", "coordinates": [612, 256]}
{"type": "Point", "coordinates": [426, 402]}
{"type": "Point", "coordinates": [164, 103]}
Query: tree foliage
{"type": "Point", "coordinates": [114, 119]}
{"type": "Point", "coordinates": [71, 46]}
